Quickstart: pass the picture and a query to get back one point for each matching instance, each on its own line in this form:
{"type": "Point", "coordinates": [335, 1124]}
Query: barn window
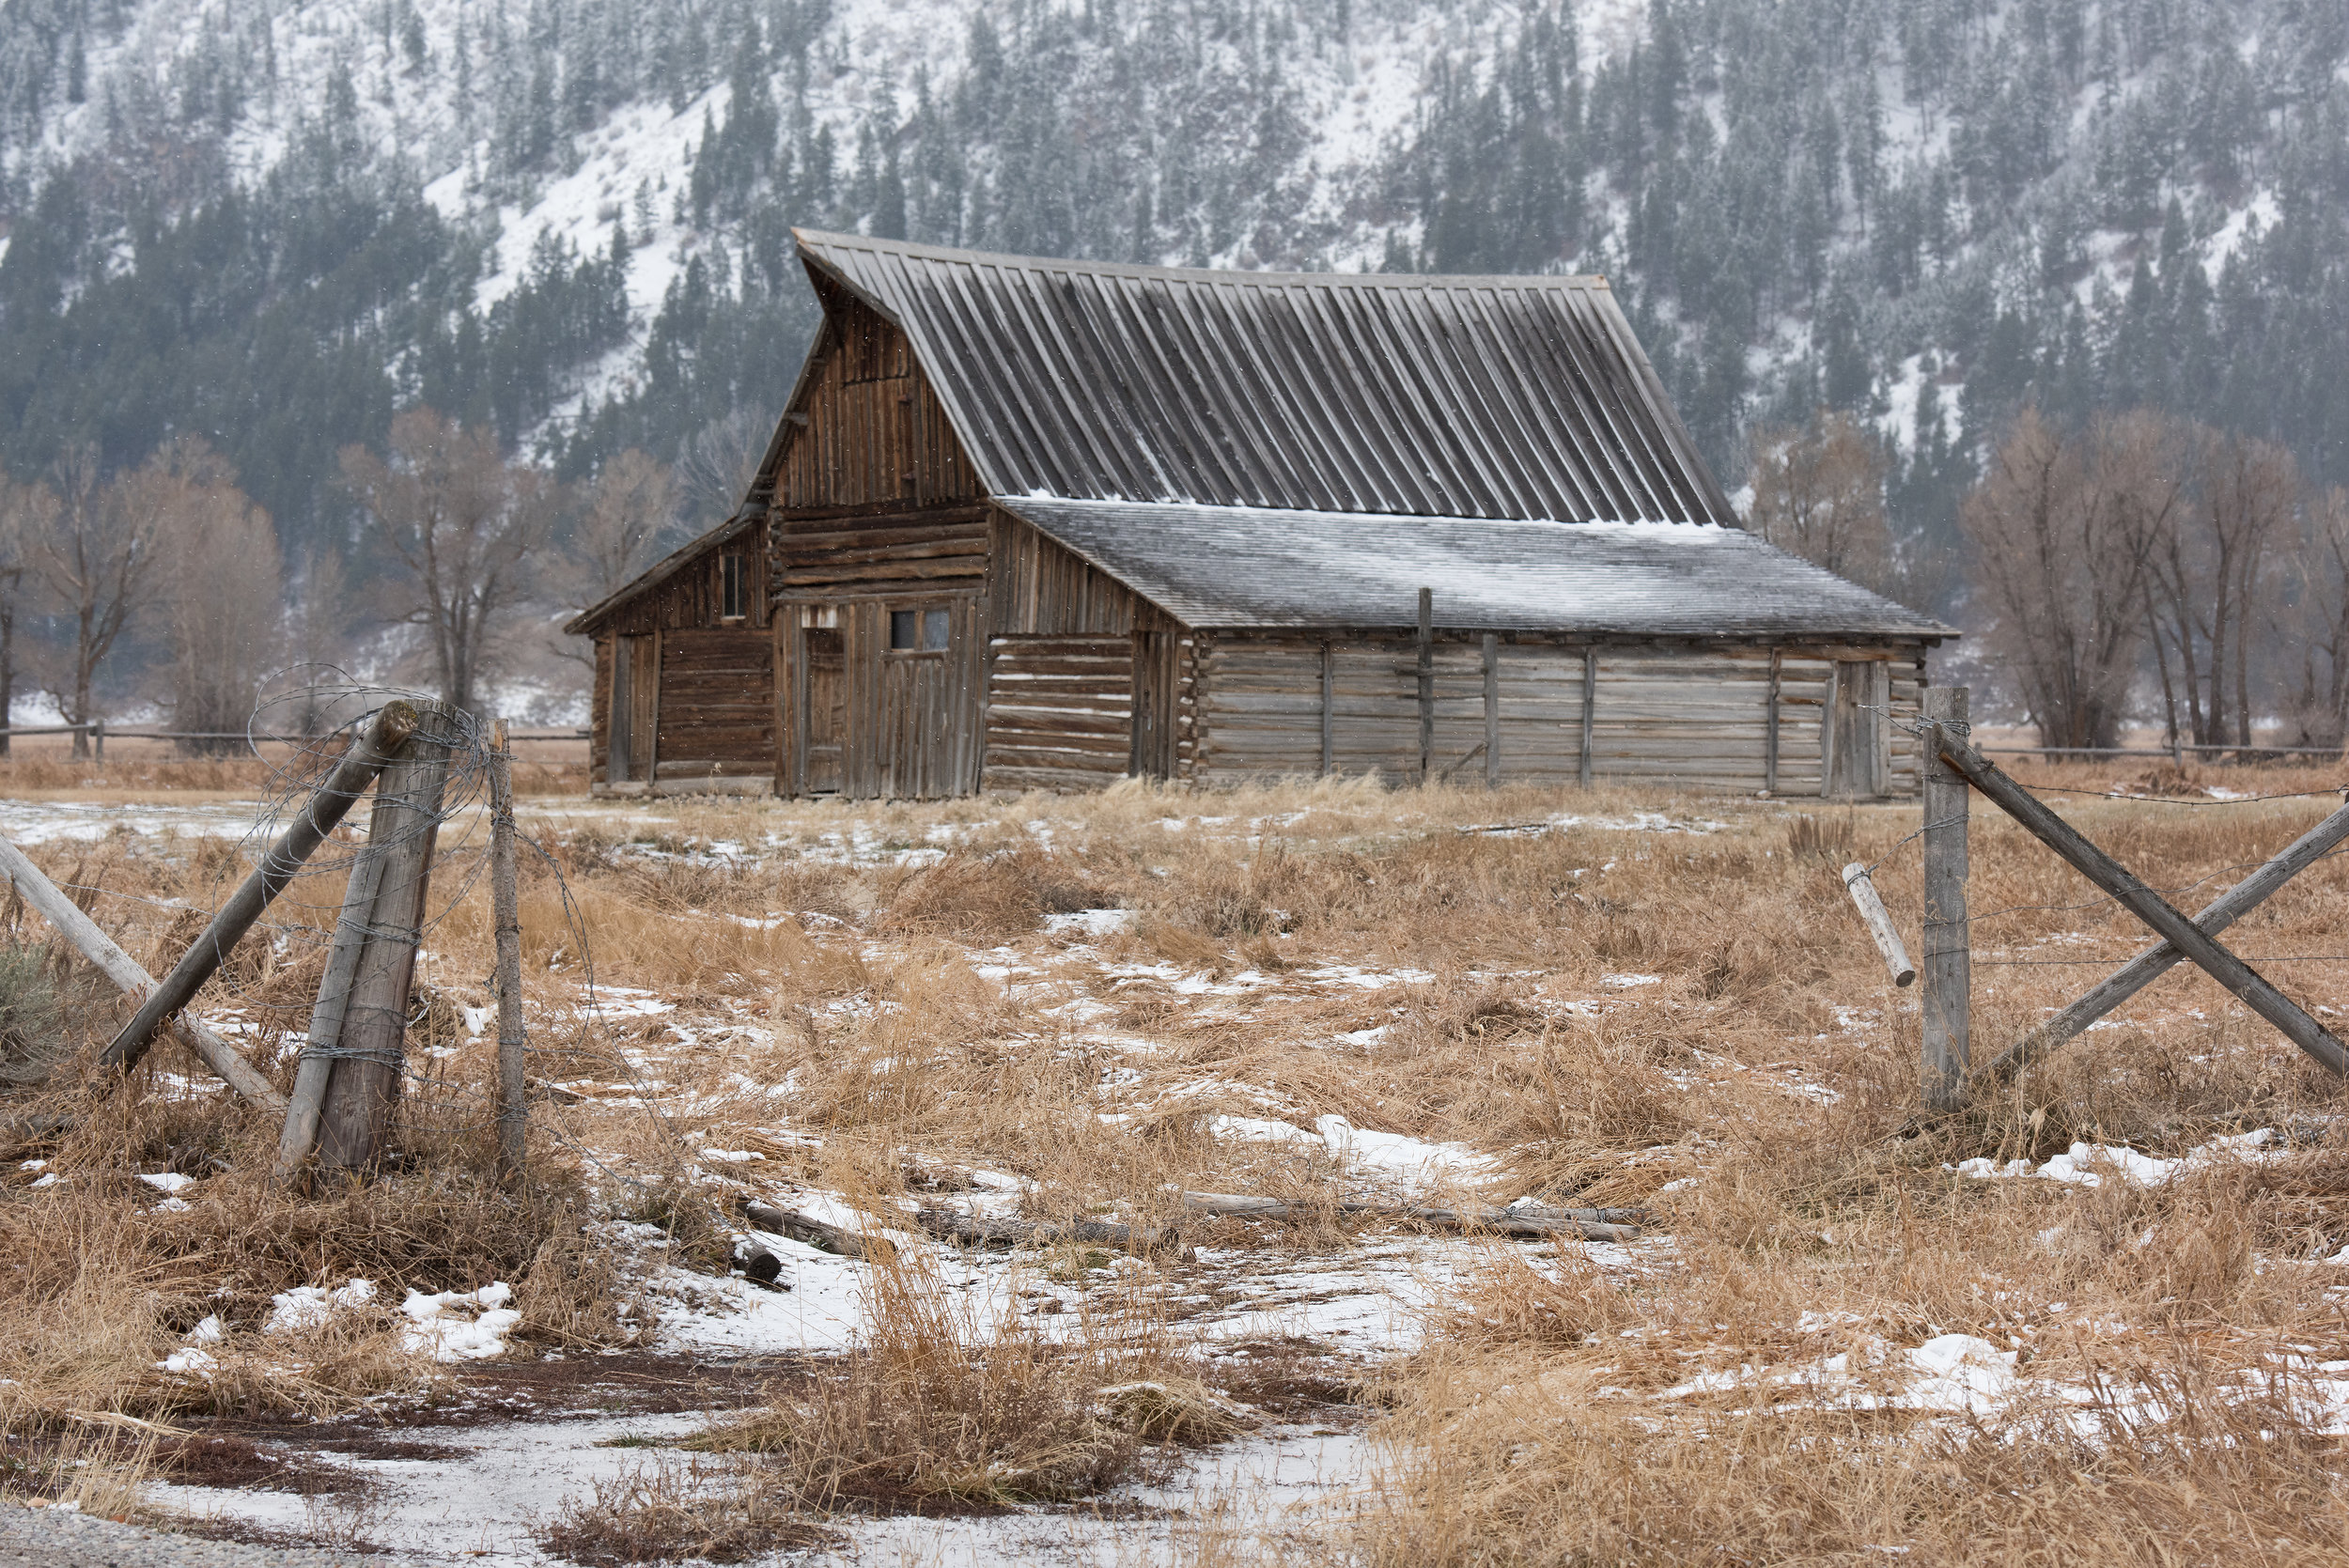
{"type": "Point", "coordinates": [733, 597]}
{"type": "Point", "coordinates": [917, 630]}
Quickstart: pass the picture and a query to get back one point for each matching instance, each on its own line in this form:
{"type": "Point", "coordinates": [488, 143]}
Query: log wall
{"type": "Point", "coordinates": [1687, 716]}
{"type": "Point", "coordinates": [1059, 711]}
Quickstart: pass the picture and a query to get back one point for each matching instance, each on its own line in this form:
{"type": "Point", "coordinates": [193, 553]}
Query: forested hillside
{"type": "Point", "coordinates": [274, 223]}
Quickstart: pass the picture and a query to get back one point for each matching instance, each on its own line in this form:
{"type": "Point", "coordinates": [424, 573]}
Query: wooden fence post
{"type": "Point", "coordinates": [506, 908]}
{"type": "Point", "coordinates": [1590, 711]}
{"type": "Point", "coordinates": [370, 1056]}
{"type": "Point", "coordinates": [1427, 682]}
{"type": "Point", "coordinates": [1328, 706]}
{"type": "Point", "coordinates": [97, 740]}
{"type": "Point", "coordinates": [1948, 963]}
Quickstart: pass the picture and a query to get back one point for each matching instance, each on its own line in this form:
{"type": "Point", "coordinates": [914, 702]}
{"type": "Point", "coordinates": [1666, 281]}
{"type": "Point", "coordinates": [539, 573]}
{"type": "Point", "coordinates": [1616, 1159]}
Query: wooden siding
{"type": "Point", "coordinates": [1038, 588]}
{"type": "Point", "coordinates": [1059, 712]}
{"type": "Point", "coordinates": [1688, 717]}
{"type": "Point", "coordinates": [867, 428]}
{"type": "Point", "coordinates": [717, 715]}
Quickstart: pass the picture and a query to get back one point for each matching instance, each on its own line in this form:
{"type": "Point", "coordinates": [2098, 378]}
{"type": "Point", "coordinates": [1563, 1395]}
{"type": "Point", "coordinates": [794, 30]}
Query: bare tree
{"type": "Point", "coordinates": [630, 520]}
{"type": "Point", "coordinates": [1819, 492]}
{"type": "Point", "coordinates": [2210, 564]}
{"type": "Point", "coordinates": [99, 560]}
{"type": "Point", "coordinates": [27, 513]}
{"type": "Point", "coordinates": [715, 470]}
{"type": "Point", "coordinates": [223, 610]}
{"type": "Point", "coordinates": [2059, 568]}
{"type": "Point", "coordinates": [465, 527]}
{"type": "Point", "coordinates": [2321, 566]}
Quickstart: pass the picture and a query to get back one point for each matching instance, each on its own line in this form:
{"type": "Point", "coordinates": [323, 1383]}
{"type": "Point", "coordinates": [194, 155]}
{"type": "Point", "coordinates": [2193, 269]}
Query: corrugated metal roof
{"type": "Point", "coordinates": [1233, 566]}
{"type": "Point", "coordinates": [1440, 396]}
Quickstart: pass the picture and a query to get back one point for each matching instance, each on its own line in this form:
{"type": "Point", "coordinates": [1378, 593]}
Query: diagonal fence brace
{"type": "Point", "coordinates": [2132, 894]}
{"type": "Point", "coordinates": [2157, 960]}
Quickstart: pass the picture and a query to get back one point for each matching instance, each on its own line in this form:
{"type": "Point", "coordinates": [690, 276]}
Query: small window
{"type": "Point", "coordinates": [917, 630]}
{"type": "Point", "coordinates": [733, 600]}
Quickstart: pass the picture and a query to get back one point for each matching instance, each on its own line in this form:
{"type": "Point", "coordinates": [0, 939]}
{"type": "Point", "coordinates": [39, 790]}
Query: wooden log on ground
{"type": "Point", "coordinates": [2132, 894]}
{"type": "Point", "coordinates": [2157, 960]}
{"type": "Point", "coordinates": [1879, 923]}
{"type": "Point", "coordinates": [1500, 1221]}
{"type": "Point", "coordinates": [816, 1232]}
{"type": "Point", "coordinates": [975, 1231]}
{"type": "Point", "coordinates": [317, 817]}
{"type": "Point", "coordinates": [50, 903]}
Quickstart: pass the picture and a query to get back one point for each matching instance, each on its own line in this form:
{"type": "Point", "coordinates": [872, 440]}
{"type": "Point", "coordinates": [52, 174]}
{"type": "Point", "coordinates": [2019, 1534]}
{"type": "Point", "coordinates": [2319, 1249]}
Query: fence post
{"type": "Point", "coordinates": [370, 1057]}
{"type": "Point", "coordinates": [97, 740]}
{"type": "Point", "coordinates": [506, 908]}
{"type": "Point", "coordinates": [1492, 710]}
{"type": "Point", "coordinates": [1947, 965]}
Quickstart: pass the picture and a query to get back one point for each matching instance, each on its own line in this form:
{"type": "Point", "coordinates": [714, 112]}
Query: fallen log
{"type": "Point", "coordinates": [976, 1230]}
{"type": "Point", "coordinates": [831, 1238]}
{"type": "Point", "coordinates": [1499, 1221]}
{"type": "Point", "coordinates": [51, 904]}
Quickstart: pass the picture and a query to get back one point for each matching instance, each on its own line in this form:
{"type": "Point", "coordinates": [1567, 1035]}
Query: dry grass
{"type": "Point", "coordinates": [1759, 1093]}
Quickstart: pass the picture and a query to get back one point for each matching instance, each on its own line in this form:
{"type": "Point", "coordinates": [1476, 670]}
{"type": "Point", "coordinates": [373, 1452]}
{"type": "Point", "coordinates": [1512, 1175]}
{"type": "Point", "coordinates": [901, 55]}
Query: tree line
{"type": "Point", "coordinates": [165, 582]}
{"type": "Point", "coordinates": [2135, 565]}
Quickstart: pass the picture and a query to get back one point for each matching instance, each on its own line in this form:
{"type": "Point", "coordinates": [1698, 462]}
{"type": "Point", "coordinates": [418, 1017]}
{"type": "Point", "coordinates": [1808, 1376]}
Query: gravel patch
{"type": "Point", "coordinates": [58, 1538]}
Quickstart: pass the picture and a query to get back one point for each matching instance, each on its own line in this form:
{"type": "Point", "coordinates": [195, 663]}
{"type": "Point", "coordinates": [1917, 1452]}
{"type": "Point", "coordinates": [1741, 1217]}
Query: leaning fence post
{"type": "Point", "coordinates": [506, 911]}
{"type": "Point", "coordinates": [1947, 968]}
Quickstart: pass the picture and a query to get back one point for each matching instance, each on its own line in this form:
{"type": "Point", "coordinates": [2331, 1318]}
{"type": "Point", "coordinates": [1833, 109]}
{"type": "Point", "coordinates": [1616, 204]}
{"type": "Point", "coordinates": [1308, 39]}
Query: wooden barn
{"type": "Point", "coordinates": [1037, 524]}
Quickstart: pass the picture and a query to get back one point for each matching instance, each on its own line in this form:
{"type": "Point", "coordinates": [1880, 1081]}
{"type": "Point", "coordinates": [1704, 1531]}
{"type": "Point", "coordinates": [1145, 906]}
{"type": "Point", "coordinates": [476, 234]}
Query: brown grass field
{"type": "Point", "coordinates": [1617, 1000]}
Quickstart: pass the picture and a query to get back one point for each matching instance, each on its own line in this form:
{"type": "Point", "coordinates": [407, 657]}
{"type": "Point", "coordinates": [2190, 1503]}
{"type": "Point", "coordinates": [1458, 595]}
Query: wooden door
{"type": "Point", "coordinates": [636, 711]}
{"type": "Point", "coordinates": [1854, 738]}
{"type": "Point", "coordinates": [823, 697]}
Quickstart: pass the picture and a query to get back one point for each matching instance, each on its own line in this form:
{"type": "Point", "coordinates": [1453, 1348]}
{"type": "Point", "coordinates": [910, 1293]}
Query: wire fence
{"type": "Point", "coordinates": [262, 997]}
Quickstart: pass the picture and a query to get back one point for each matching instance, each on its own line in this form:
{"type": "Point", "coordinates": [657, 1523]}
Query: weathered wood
{"type": "Point", "coordinates": [1427, 682]}
{"type": "Point", "coordinates": [46, 899]}
{"type": "Point", "coordinates": [816, 1232]}
{"type": "Point", "coordinates": [2141, 901]}
{"type": "Point", "coordinates": [327, 806]}
{"type": "Point", "coordinates": [1500, 1221]}
{"type": "Point", "coordinates": [1769, 726]}
{"type": "Point", "coordinates": [1492, 710]}
{"type": "Point", "coordinates": [1948, 959]}
{"type": "Point", "coordinates": [2157, 960]}
{"type": "Point", "coordinates": [299, 1133]}
{"type": "Point", "coordinates": [1590, 710]}
{"type": "Point", "coordinates": [1329, 703]}
{"type": "Point", "coordinates": [1871, 914]}
{"type": "Point", "coordinates": [505, 917]}
{"type": "Point", "coordinates": [369, 1056]}
{"type": "Point", "coordinates": [976, 1230]}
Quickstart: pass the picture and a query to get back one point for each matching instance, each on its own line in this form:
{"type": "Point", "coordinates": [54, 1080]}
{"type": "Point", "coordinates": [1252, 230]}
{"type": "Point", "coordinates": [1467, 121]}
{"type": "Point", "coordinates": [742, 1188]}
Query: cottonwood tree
{"type": "Point", "coordinates": [222, 609]}
{"type": "Point", "coordinates": [1819, 492]}
{"type": "Point", "coordinates": [27, 512]}
{"type": "Point", "coordinates": [2211, 568]}
{"type": "Point", "coordinates": [628, 521]}
{"type": "Point", "coordinates": [2061, 570]}
{"type": "Point", "coordinates": [2320, 568]}
{"type": "Point", "coordinates": [464, 527]}
{"type": "Point", "coordinates": [99, 563]}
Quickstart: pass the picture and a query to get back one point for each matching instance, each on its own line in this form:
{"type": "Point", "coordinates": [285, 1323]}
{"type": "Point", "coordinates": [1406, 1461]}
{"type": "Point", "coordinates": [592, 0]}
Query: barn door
{"type": "Point", "coordinates": [1854, 738]}
{"type": "Point", "coordinates": [823, 698]}
{"type": "Point", "coordinates": [635, 709]}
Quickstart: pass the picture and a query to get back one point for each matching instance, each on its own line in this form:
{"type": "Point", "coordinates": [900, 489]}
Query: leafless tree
{"type": "Point", "coordinates": [2210, 563]}
{"type": "Point", "coordinates": [2321, 602]}
{"type": "Point", "coordinates": [2059, 568]}
{"type": "Point", "coordinates": [715, 470]}
{"type": "Point", "coordinates": [27, 512]}
{"type": "Point", "coordinates": [629, 521]}
{"type": "Point", "coordinates": [224, 615]}
{"type": "Point", "coordinates": [98, 562]}
{"type": "Point", "coordinates": [1819, 492]}
{"type": "Point", "coordinates": [465, 528]}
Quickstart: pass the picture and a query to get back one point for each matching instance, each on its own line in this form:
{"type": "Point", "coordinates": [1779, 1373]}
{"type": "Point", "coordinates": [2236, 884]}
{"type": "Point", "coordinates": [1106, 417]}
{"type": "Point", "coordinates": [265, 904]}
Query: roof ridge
{"type": "Point", "coordinates": [1244, 276]}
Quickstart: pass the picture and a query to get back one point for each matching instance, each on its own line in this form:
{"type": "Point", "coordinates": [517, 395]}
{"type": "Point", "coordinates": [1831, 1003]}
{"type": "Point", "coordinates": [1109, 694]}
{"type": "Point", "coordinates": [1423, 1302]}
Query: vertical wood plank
{"type": "Point", "coordinates": [1427, 682]}
{"type": "Point", "coordinates": [1492, 711]}
{"type": "Point", "coordinates": [1590, 710]}
{"type": "Point", "coordinates": [1769, 730]}
{"type": "Point", "coordinates": [1329, 703]}
{"type": "Point", "coordinates": [1947, 965]}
